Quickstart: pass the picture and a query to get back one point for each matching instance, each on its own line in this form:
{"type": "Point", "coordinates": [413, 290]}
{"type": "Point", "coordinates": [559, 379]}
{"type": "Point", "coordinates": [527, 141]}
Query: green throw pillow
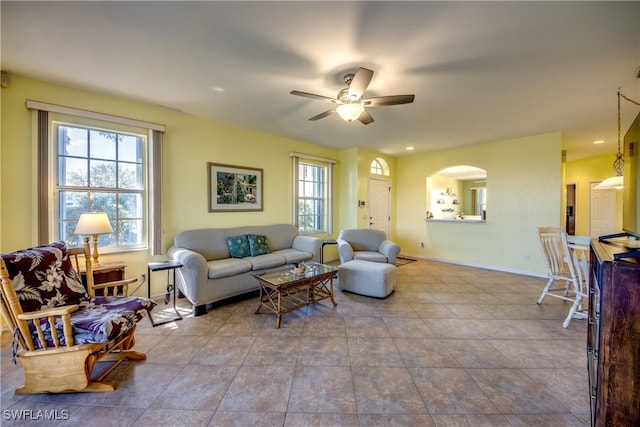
{"type": "Point", "coordinates": [239, 246]}
{"type": "Point", "coordinates": [258, 245]}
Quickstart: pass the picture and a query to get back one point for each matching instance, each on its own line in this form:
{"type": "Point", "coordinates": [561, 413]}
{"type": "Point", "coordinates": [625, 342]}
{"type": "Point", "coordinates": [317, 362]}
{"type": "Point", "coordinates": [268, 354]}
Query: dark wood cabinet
{"type": "Point", "coordinates": [613, 342]}
{"type": "Point", "coordinates": [105, 273]}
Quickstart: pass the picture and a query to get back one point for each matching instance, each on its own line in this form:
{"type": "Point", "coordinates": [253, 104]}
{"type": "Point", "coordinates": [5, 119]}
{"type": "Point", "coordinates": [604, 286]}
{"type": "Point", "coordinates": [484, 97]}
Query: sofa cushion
{"type": "Point", "coordinates": [266, 261]}
{"type": "Point", "coordinates": [370, 256]}
{"type": "Point", "coordinates": [293, 256]}
{"type": "Point", "coordinates": [258, 244]}
{"type": "Point", "coordinates": [239, 246]}
{"type": "Point", "coordinates": [227, 267]}
{"type": "Point", "coordinates": [44, 277]}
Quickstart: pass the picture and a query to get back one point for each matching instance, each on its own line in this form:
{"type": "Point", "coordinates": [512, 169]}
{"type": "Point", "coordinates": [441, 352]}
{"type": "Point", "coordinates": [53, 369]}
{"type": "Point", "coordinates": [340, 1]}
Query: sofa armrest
{"type": "Point", "coordinates": [344, 250]}
{"type": "Point", "coordinates": [193, 274]}
{"type": "Point", "coordinates": [310, 244]}
{"type": "Point", "coordinates": [390, 250]}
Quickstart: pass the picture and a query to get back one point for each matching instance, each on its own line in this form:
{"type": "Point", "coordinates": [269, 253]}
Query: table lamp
{"type": "Point", "coordinates": [94, 223]}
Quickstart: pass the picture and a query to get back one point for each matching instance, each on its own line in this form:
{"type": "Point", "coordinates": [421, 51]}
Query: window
{"type": "Point", "coordinates": [101, 170]}
{"type": "Point", "coordinates": [312, 198]}
{"type": "Point", "coordinates": [376, 168]}
{"type": "Point", "coordinates": [87, 161]}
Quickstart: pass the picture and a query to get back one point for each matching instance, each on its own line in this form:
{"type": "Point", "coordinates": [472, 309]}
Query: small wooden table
{"type": "Point", "coordinates": [111, 272]}
{"type": "Point", "coordinates": [282, 291]}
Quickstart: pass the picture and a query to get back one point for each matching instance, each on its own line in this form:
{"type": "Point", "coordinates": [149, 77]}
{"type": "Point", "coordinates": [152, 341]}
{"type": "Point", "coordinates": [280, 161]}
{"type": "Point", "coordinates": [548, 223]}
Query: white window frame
{"type": "Point", "coordinates": [327, 187]}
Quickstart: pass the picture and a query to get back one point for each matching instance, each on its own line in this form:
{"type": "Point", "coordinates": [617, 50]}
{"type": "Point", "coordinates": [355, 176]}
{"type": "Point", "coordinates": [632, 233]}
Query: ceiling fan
{"type": "Point", "coordinates": [350, 104]}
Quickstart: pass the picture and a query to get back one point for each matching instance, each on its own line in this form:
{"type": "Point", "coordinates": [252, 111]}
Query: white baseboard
{"type": "Point", "coordinates": [483, 266]}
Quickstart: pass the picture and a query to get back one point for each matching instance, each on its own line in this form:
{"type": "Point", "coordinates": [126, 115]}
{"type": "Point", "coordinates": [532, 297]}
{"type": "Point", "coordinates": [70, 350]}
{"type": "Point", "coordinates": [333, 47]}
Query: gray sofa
{"type": "Point", "coordinates": [211, 275]}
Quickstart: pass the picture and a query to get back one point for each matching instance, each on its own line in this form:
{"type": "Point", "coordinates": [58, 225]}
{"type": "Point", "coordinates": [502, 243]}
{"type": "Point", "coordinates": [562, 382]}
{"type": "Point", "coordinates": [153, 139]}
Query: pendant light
{"type": "Point", "coordinates": [616, 181]}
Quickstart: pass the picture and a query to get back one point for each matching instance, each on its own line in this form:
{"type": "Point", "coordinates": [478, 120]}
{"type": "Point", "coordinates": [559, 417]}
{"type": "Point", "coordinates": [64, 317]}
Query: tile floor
{"type": "Point", "coordinates": [452, 346]}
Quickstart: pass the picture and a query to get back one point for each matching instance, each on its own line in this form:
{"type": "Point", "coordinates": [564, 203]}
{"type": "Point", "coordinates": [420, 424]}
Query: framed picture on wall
{"type": "Point", "coordinates": [234, 188]}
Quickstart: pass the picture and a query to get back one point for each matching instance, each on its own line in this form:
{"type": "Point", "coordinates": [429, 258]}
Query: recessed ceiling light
{"type": "Point", "coordinates": [600, 141]}
{"type": "Point", "coordinates": [217, 89]}
{"type": "Point", "coordinates": [409, 148]}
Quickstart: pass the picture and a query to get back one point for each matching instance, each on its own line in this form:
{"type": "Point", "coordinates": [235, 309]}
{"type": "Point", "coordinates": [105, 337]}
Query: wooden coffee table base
{"type": "Point", "coordinates": [300, 293]}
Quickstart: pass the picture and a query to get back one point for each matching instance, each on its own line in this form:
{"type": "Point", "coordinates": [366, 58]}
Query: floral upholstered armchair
{"type": "Point", "coordinates": [60, 330]}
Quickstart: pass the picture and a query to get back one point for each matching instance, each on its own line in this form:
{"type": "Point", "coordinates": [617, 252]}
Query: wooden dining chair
{"type": "Point", "coordinates": [564, 270]}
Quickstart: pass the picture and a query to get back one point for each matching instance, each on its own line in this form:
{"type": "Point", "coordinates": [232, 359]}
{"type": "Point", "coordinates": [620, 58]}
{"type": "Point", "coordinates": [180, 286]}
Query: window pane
{"type": "Point", "coordinates": [130, 206]}
{"type": "Point", "coordinates": [130, 232]}
{"type": "Point", "coordinates": [130, 176]}
{"type": "Point", "coordinates": [72, 141]}
{"type": "Point", "coordinates": [102, 145]}
{"type": "Point", "coordinates": [130, 148]}
{"type": "Point", "coordinates": [72, 204]}
{"type": "Point", "coordinates": [72, 172]}
{"type": "Point", "coordinates": [103, 174]}
{"type": "Point", "coordinates": [104, 202]}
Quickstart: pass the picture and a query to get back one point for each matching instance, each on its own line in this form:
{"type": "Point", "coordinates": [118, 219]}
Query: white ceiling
{"type": "Point", "coordinates": [481, 71]}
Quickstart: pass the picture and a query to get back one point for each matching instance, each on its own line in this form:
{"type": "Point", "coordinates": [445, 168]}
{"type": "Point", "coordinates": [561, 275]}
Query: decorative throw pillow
{"type": "Point", "coordinates": [239, 246]}
{"type": "Point", "coordinates": [44, 277]}
{"type": "Point", "coordinates": [258, 245]}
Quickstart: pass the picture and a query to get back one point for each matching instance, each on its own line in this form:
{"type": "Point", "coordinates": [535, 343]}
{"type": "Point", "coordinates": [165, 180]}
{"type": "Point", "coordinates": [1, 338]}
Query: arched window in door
{"type": "Point", "coordinates": [379, 167]}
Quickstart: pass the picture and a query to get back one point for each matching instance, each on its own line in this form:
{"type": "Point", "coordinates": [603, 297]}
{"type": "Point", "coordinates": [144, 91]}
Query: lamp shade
{"type": "Point", "coordinates": [93, 223]}
{"type": "Point", "coordinates": [616, 182]}
{"type": "Point", "coordinates": [349, 112]}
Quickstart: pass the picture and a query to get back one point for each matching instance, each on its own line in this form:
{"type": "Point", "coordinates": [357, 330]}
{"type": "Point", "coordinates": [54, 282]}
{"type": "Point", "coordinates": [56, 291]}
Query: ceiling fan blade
{"type": "Point", "coordinates": [360, 82]}
{"type": "Point", "coordinates": [323, 115]}
{"type": "Point", "coordinates": [311, 95]}
{"type": "Point", "coordinates": [365, 118]}
{"type": "Point", "coordinates": [380, 101]}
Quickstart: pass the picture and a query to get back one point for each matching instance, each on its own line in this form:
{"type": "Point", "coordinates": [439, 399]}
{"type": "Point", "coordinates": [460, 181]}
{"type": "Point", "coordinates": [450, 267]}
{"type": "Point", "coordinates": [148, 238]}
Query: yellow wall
{"type": "Point", "coordinates": [189, 143]}
{"type": "Point", "coordinates": [347, 179]}
{"type": "Point", "coordinates": [524, 183]}
{"type": "Point", "coordinates": [583, 172]}
{"type": "Point", "coordinates": [355, 173]}
{"type": "Point", "coordinates": [523, 192]}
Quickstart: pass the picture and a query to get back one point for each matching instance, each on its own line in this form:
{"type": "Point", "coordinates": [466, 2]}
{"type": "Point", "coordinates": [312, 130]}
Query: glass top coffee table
{"type": "Point", "coordinates": [282, 291]}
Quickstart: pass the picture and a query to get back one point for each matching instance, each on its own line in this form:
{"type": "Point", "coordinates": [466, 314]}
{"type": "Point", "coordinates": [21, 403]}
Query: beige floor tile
{"type": "Point", "coordinates": [513, 392]}
{"type": "Point", "coordinates": [259, 388]}
{"type": "Point", "coordinates": [386, 391]}
{"type": "Point", "coordinates": [323, 351]}
{"type": "Point", "coordinates": [246, 419]}
{"type": "Point", "coordinates": [322, 389]}
{"type": "Point", "coordinates": [425, 353]}
{"type": "Point", "coordinates": [452, 346]}
{"type": "Point", "coordinates": [451, 391]}
{"type": "Point", "coordinates": [374, 352]}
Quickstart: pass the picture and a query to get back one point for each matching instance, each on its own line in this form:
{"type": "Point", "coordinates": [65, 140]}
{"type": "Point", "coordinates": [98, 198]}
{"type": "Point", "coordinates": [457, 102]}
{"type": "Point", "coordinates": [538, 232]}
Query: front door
{"type": "Point", "coordinates": [380, 205]}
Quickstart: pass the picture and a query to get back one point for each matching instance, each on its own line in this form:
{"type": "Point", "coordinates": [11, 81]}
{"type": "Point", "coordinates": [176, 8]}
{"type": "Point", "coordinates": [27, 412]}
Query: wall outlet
{"type": "Point", "coordinates": [143, 277]}
{"type": "Point", "coordinates": [526, 257]}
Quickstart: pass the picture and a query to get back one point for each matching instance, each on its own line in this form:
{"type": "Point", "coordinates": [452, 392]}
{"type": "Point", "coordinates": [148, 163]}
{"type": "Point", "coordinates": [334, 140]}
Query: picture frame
{"type": "Point", "coordinates": [234, 188]}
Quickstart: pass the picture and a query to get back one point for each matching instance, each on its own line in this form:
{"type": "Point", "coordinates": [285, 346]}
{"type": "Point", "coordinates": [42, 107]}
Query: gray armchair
{"type": "Point", "coordinates": [366, 244]}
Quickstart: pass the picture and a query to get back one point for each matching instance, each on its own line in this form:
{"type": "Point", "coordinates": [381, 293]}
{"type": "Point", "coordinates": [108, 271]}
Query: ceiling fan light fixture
{"type": "Point", "coordinates": [349, 112]}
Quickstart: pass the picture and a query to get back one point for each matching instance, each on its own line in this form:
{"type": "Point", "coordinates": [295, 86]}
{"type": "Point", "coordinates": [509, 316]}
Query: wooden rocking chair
{"type": "Point", "coordinates": [58, 335]}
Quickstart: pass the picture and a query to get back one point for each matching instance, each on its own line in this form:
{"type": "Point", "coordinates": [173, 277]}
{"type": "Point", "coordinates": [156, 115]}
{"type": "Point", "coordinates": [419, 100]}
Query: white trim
{"type": "Point", "coordinates": [310, 157]}
{"type": "Point", "coordinates": [476, 265]}
{"type": "Point", "coordinates": [37, 105]}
